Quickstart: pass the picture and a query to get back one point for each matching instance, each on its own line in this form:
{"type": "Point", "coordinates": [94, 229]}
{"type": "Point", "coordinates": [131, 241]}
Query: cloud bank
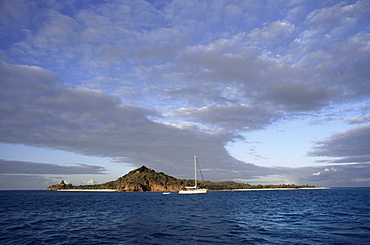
{"type": "Point", "coordinates": [348, 147]}
{"type": "Point", "coordinates": [155, 82]}
{"type": "Point", "coordinates": [18, 167]}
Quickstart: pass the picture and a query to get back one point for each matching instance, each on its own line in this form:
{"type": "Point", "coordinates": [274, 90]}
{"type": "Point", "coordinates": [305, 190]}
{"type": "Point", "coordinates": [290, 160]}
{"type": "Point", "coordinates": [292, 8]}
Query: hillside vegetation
{"type": "Point", "coordinates": [145, 179]}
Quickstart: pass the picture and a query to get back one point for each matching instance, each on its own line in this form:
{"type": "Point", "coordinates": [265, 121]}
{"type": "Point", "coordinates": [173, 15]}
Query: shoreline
{"type": "Point", "coordinates": [100, 190]}
{"type": "Point", "coordinates": [281, 189]}
{"type": "Point", "coordinates": [262, 189]}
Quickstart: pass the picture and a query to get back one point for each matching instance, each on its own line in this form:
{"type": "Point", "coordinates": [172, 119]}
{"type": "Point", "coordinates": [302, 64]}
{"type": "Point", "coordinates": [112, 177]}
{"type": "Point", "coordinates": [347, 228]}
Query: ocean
{"type": "Point", "coordinates": [328, 216]}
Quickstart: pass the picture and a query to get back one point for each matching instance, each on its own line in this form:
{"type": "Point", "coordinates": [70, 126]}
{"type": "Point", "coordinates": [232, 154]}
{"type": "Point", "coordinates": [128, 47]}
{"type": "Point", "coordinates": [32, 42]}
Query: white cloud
{"type": "Point", "coordinates": [89, 182]}
{"type": "Point", "coordinates": [231, 118]}
{"type": "Point", "coordinates": [337, 19]}
{"type": "Point", "coordinates": [273, 36]}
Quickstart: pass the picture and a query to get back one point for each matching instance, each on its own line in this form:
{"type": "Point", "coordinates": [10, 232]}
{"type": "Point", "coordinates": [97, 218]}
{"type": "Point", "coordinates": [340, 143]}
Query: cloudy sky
{"type": "Point", "coordinates": [264, 92]}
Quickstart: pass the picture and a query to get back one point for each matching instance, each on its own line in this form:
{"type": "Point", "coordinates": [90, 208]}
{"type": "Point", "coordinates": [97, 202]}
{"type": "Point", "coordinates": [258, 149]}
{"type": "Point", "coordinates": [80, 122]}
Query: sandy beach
{"type": "Point", "coordinates": [282, 189]}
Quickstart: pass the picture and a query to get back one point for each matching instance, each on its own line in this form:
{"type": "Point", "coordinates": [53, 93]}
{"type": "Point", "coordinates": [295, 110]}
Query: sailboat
{"type": "Point", "coordinates": [193, 189]}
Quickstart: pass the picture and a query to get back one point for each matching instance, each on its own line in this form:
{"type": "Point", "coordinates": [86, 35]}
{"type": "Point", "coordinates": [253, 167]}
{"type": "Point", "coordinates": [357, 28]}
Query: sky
{"type": "Point", "coordinates": [262, 92]}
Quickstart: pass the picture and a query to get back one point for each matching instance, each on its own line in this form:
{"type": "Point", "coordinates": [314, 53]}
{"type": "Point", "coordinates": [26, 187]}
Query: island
{"type": "Point", "coordinates": [144, 179]}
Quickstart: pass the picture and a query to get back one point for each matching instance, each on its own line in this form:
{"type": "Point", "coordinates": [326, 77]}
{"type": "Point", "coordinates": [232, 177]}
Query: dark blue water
{"type": "Point", "coordinates": [335, 216]}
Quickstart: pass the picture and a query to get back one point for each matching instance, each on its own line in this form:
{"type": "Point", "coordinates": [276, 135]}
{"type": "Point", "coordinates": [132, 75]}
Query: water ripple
{"type": "Point", "coordinates": [337, 216]}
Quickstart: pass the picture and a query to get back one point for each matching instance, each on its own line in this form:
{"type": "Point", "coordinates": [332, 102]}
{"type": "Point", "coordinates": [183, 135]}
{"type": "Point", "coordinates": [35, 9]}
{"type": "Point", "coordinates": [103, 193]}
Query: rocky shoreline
{"type": "Point", "coordinates": [98, 190]}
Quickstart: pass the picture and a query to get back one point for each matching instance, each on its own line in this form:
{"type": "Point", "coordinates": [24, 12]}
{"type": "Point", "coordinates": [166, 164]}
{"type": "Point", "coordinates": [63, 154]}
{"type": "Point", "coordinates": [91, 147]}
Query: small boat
{"type": "Point", "coordinates": [193, 189]}
{"type": "Point", "coordinates": [166, 193]}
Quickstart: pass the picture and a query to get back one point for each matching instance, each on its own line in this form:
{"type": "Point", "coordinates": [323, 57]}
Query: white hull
{"type": "Point", "coordinates": [197, 191]}
{"type": "Point", "coordinates": [193, 189]}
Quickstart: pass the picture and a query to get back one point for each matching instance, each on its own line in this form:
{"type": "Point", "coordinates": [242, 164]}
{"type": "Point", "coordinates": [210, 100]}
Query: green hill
{"type": "Point", "coordinates": [141, 179]}
{"type": "Point", "coordinates": [145, 179]}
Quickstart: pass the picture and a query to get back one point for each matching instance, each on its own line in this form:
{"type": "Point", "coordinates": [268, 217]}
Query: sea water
{"type": "Point", "coordinates": [332, 216]}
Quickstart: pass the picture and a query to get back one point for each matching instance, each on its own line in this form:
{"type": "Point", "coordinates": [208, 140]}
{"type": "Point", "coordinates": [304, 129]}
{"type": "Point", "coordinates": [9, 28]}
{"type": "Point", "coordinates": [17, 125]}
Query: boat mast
{"type": "Point", "coordinates": [195, 171]}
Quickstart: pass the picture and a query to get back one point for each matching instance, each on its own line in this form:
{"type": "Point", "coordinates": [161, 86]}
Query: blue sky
{"type": "Point", "coordinates": [264, 92]}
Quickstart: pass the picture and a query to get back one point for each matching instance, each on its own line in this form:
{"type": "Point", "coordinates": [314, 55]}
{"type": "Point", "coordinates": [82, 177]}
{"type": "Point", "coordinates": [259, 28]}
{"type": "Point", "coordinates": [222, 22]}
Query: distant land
{"type": "Point", "coordinates": [144, 179]}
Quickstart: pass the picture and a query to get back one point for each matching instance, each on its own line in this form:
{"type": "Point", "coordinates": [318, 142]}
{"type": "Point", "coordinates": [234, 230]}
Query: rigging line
{"type": "Point", "coordinates": [200, 170]}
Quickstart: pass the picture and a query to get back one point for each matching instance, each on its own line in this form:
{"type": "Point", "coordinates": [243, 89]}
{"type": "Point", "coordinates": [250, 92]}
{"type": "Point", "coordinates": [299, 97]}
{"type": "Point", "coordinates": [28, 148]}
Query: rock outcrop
{"type": "Point", "coordinates": [141, 179]}
{"type": "Point", "coordinates": [62, 185]}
